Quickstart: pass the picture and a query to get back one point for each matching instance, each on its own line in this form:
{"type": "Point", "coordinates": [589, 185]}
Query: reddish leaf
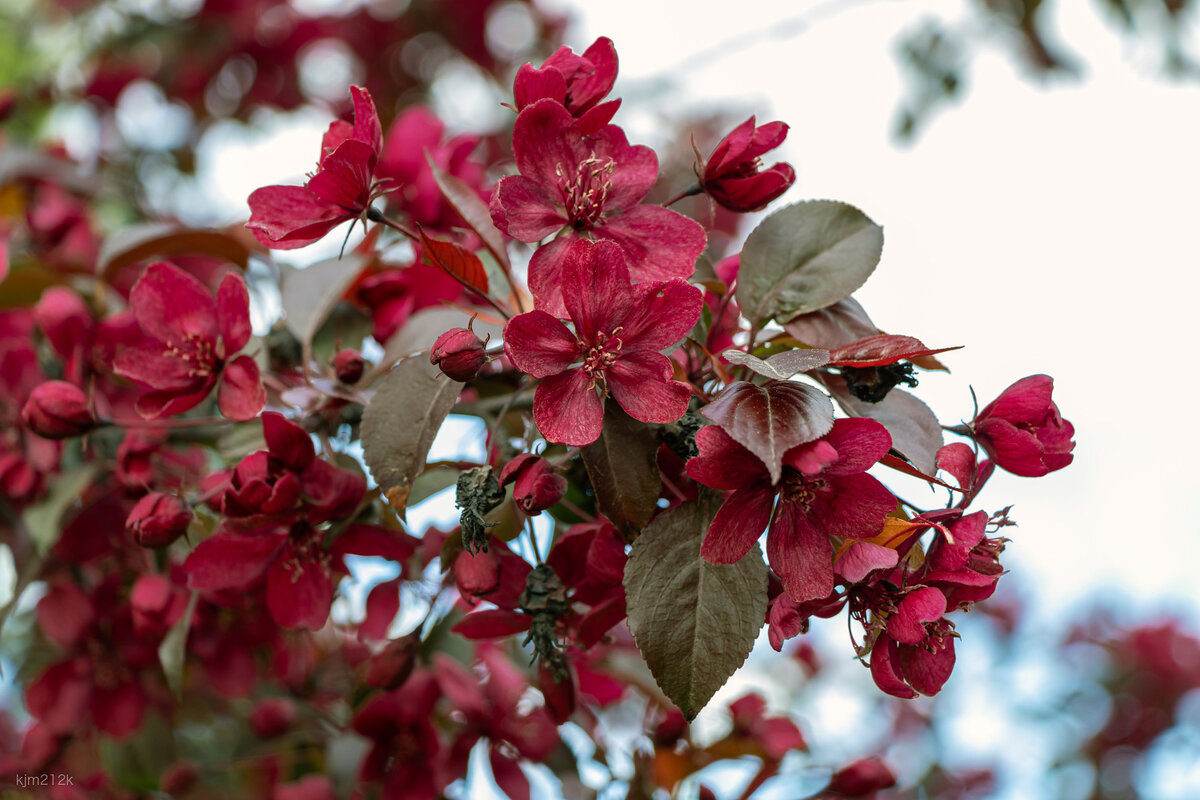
{"type": "Point", "coordinates": [833, 326]}
{"type": "Point", "coordinates": [771, 419]}
{"type": "Point", "coordinates": [139, 242]}
{"type": "Point", "coordinates": [473, 210]}
{"type": "Point", "coordinates": [622, 465]}
{"type": "Point", "coordinates": [781, 365]}
{"type": "Point", "coordinates": [885, 348]}
{"type": "Point", "coordinates": [456, 260]}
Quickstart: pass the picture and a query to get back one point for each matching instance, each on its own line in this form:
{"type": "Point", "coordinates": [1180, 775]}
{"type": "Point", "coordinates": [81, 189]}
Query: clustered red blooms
{"type": "Point", "coordinates": [191, 497]}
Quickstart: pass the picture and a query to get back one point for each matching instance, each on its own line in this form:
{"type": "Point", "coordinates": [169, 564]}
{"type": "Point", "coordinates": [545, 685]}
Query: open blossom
{"type": "Point", "coordinates": [578, 82]}
{"type": "Point", "coordinates": [614, 349]}
{"type": "Point", "coordinates": [193, 337]}
{"type": "Point", "coordinates": [824, 492]}
{"type": "Point", "coordinates": [733, 174]}
{"type": "Point", "coordinates": [1023, 431]}
{"type": "Point", "coordinates": [287, 217]}
{"type": "Point", "coordinates": [587, 187]}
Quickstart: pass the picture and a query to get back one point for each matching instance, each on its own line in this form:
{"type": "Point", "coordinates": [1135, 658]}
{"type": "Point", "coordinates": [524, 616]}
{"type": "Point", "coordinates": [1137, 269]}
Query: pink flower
{"type": "Point", "coordinates": [824, 492]}
{"type": "Point", "coordinates": [1023, 431]}
{"type": "Point", "coordinates": [619, 331]}
{"type": "Point", "coordinates": [578, 82]}
{"type": "Point", "coordinates": [733, 174]}
{"type": "Point", "coordinates": [193, 335]}
{"type": "Point", "coordinates": [590, 188]}
{"type": "Point", "coordinates": [287, 217]}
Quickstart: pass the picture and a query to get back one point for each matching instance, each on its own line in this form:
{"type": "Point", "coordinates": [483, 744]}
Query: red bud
{"type": "Point", "coordinates": [58, 410]}
{"type": "Point", "coordinates": [459, 353]}
{"type": "Point", "coordinates": [158, 519]}
{"type": "Point", "coordinates": [349, 365]}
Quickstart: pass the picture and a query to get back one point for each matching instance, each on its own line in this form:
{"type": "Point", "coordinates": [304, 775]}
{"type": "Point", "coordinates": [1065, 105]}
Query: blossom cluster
{"type": "Point", "coordinates": [193, 492]}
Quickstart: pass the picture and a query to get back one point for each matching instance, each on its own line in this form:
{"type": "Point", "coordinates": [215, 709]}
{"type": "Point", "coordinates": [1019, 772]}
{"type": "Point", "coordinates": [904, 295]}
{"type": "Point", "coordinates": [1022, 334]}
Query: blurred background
{"type": "Point", "coordinates": [1034, 166]}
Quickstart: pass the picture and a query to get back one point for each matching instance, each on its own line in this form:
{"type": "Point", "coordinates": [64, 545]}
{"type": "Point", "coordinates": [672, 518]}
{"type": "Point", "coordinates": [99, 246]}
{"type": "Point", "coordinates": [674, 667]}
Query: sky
{"type": "Point", "coordinates": [1049, 228]}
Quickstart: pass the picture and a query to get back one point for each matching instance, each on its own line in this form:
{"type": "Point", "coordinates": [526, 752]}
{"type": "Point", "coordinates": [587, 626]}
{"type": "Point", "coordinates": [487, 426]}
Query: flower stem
{"type": "Point", "coordinates": [691, 191]}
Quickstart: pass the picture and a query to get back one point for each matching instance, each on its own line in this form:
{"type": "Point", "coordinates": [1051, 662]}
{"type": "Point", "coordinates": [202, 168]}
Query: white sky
{"type": "Point", "coordinates": [1048, 229]}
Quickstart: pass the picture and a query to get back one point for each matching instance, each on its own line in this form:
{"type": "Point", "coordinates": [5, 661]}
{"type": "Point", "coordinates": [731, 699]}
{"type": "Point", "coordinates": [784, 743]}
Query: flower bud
{"type": "Point", "coordinates": [863, 777]}
{"type": "Point", "coordinates": [272, 717]}
{"type": "Point", "coordinates": [537, 487]}
{"type": "Point", "coordinates": [459, 353]}
{"type": "Point", "coordinates": [734, 176]}
{"type": "Point", "coordinates": [178, 778]}
{"type": "Point", "coordinates": [349, 365]}
{"type": "Point", "coordinates": [158, 519]}
{"type": "Point", "coordinates": [58, 410]}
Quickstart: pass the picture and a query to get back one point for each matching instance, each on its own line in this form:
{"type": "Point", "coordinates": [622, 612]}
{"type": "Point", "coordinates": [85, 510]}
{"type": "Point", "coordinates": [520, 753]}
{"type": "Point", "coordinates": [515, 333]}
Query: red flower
{"type": "Point", "coordinates": [589, 187]}
{"type": "Point", "coordinates": [824, 492]}
{"type": "Point", "coordinates": [287, 217]}
{"type": "Point", "coordinates": [619, 331]}
{"type": "Point", "coordinates": [193, 336]}
{"type": "Point", "coordinates": [579, 83]}
{"type": "Point", "coordinates": [733, 175]}
{"type": "Point", "coordinates": [1023, 431]}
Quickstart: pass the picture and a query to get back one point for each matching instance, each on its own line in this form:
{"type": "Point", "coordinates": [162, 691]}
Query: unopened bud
{"type": "Point", "coordinates": [158, 519]}
{"type": "Point", "coordinates": [272, 717]}
{"type": "Point", "coordinates": [537, 487]}
{"type": "Point", "coordinates": [459, 353]}
{"type": "Point", "coordinates": [349, 366]}
{"type": "Point", "coordinates": [58, 410]}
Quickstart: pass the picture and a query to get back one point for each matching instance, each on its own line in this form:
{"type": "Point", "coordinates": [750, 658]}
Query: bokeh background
{"type": "Point", "coordinates": [1034, 165]}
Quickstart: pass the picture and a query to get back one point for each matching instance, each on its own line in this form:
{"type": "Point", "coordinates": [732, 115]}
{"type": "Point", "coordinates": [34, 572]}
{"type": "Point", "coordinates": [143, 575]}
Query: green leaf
{"type": "Point", "coordinates": [805, 257]}
{"type": "Point", "coordinates": [400, 423]}
{"type": "Point", "coordinates": [623, 468]}
{"type": "Point", "coordinates": [693, 621]}
{"type": "Point", "coordinates": [172, 652]}
{"type": "Point", "coordinates": [44, 520]}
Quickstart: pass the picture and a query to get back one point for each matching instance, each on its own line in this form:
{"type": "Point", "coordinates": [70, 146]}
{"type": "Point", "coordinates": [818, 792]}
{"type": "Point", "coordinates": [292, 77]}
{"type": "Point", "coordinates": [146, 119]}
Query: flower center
{"type": "Point", "coordinates": [795, 488]}
{"type": "Point", "coordinates": [584, 193]}
{"type": "Point", "coordinates": [600, 355]}
{"type": "Point", "coordinates": [199, 353]}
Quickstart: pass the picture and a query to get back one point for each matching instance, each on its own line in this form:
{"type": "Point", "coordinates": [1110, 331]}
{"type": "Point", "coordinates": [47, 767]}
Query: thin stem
{"type": "Point", "coordinates": [169, 424]}
{"type": "Point", "coordinates": [691, 191]}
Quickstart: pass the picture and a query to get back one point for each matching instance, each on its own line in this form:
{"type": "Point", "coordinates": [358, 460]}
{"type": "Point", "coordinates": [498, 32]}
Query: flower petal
{"type": "Point", "coordinates": [853, 506]}
{"type": "Point", "coordinates": [723, 463]}
{"type": "Point", "coordinates": [634, 169]}
{"type": "Point", "coordinates": [907, 624]}
{"type": "Point", "coordinates": [173, 306]}
{"type": "Point", "coordinates": [658, 242]}
{"type": "Point", "coordinates": [567, 410]}
{"type": "Point", "coordinates": [738, 524]}
{"type": "Point", "coordinates": [799, 551]}
{"type": "Point", "coordinates": [539, 345]}
{"type": "Point", "coordinates": [546, 144]}
{"type": "Point", "coordinates": [662, 314]}
{"type": "Point", "coordinates": [233, 313]}
{"type": "Point", "coordinates": [859, 442]}
{"type": "Point", "coordinates": [525, 210]}
{"type": "Point", "coordinates": [232, 561]}
{"type": "Point", "coordinates": [287, 217]}
{"type": "Point", "coordinates": [639, 381]}
{"type": "Point", "coordinates": [595, 288]}
{"type": "Point", "coordinates": [345, 176]}
{"type": "Point", "coordinates": [241, 395]}
{"type": "Point", "coordinates": [299, 593]}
